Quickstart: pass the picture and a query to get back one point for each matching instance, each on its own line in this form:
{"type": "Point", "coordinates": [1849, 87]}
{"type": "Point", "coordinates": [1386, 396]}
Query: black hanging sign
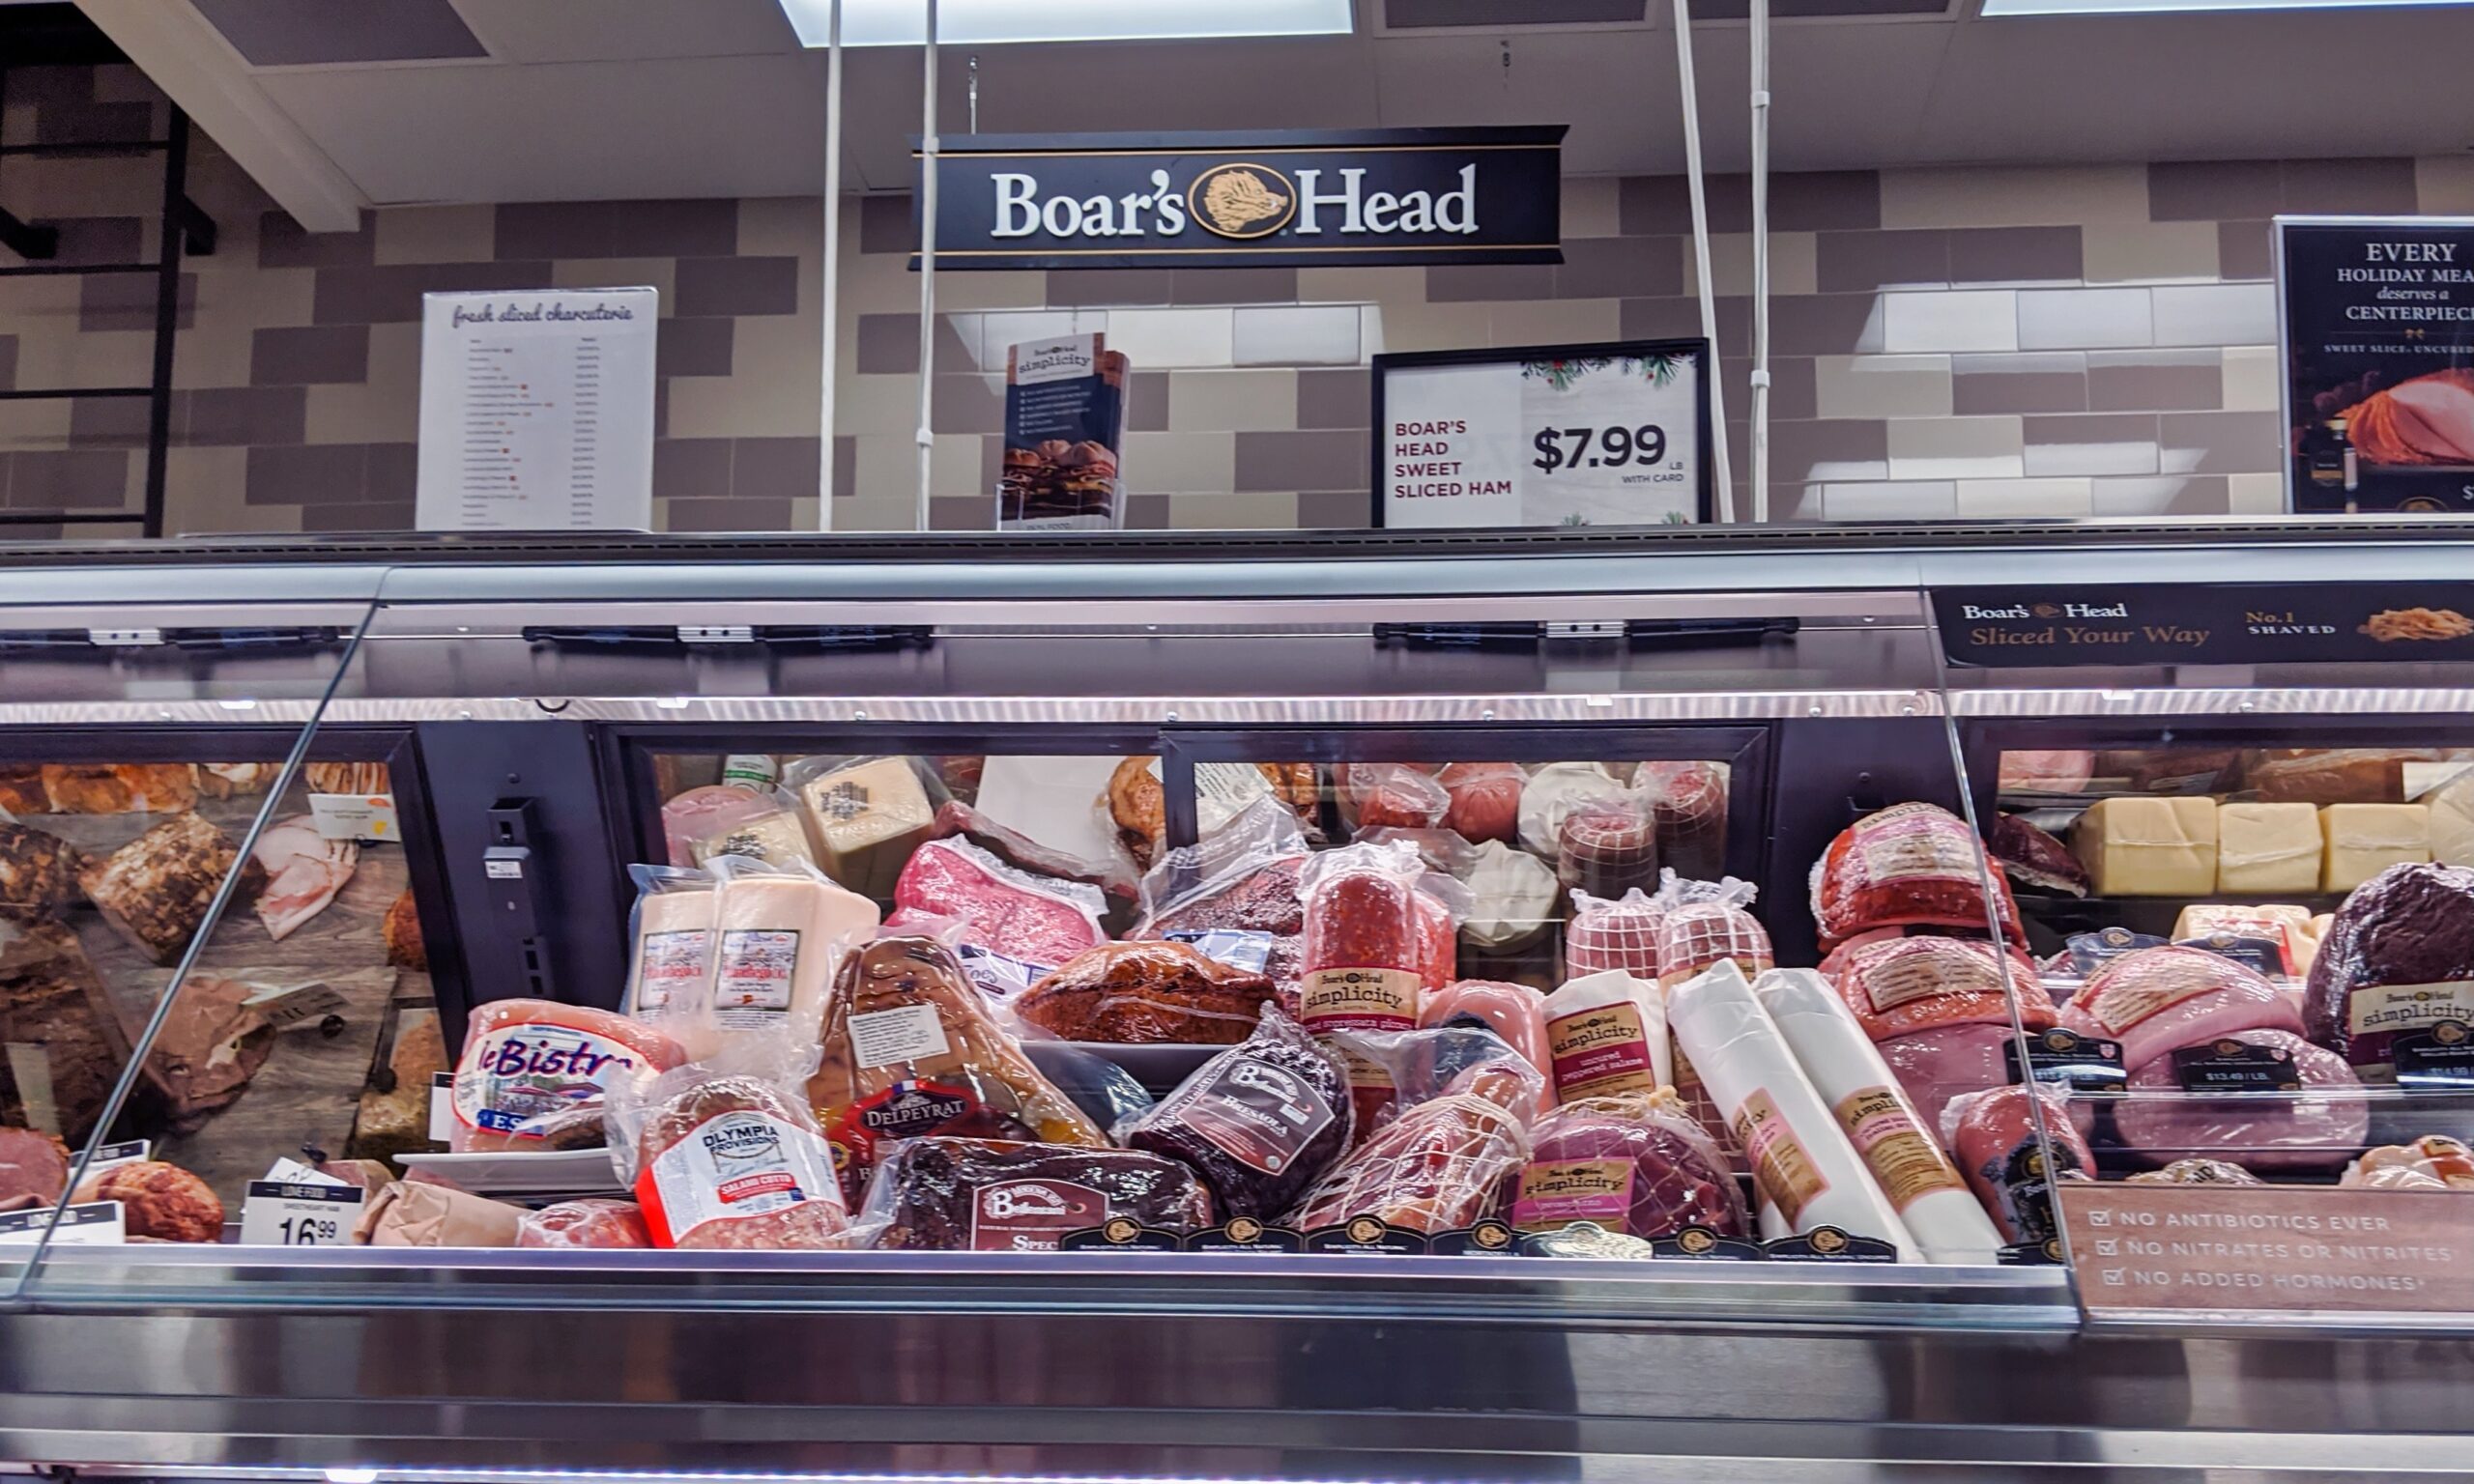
{"type": "Point", "coordinates": [2346, 623]}
{"type": "Point", "coordinates": [1284, 198]}
{"type": "Point", "coordinates": [2377, 331]}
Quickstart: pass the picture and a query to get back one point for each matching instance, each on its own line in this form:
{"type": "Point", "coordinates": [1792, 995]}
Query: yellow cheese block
{"type": "Point", "coordinates": [2149, 847]}
{"type": "Point", "coordinates": [2267, 847]}
{"type": "Point", "coordinates": [2453, 822]}
{"type": "Point", "coordinates": [2364, 840]}
{"type": "Point", "coordinates": [866, 820]}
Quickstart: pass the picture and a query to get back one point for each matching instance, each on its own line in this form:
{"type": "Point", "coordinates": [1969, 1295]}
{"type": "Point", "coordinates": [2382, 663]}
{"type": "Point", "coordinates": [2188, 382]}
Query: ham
{"type": "Point", "coordinates": [2159, 998]}
{"type": "Point", "coordinates": [2429, 419]}
{"type": "Point", "coordinates": [305, 870]}
{"type": "Point", "coordinates": [1900, 985]}
{"type": "Point", "coordinates": [535, 1073]}
{"type": "Point", "coordinates": [2313, 1131]}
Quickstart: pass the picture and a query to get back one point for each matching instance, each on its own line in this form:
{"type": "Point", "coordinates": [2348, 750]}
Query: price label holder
{"type": "Point", "coordinates": [2082, 1063]}
{"type": "Point", "coordinates": [1366, 1236]}
{"type": "Point", "coordinates": [1699, 1244]}
{"type": "Point", "coordinates": [2092, 951]}
{"type": "Point", "coordinates": [2261, 956]}
{"type": "Point", "coordinates": [1121, 1233]}
{"type": "Point", "coordinates": [280, 1214]}
{"type": "Point", "coordinates": [2439, 1060]}
{"type": "Point", "coordinates": [2226, 1065]}
{"type": "Point", "coordinates": [106, 1156]}
{"type": "Point", "coordinates": [94, 1224]}
{"type": "Point", "coordinates": [298, 1004]}
{"type": "Point", "coordinates": [1829, 1244]}
{"type": "Point", "coordinates": [1488, 1239]}
{"type": "Point", "coordinates": [442, 1106]}
{"type": "Point", "coordinates": [1246, 1235]}
{"type": "Point", "coordinates": [353, 817]}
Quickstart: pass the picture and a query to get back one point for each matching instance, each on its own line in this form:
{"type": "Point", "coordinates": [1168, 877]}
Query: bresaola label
{"type": "Point", "coordinates": [520, 1074]}
{"type": "Point", "coordinates": [1031, 1215]}
{"type": "Point", "coordinates": [1253, 1111]}
{"type": "Point", "coordinates": [1600, 1050]}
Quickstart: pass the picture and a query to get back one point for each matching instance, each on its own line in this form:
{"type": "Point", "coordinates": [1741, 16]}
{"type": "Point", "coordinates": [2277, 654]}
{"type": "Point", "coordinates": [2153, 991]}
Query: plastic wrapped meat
{"type": "Point", "coordinates": [1606, 846]}
{"type": "Point", "coordinates": [2196, 1172]}
{"type": "Point", "coordinates": [1688, 808]}
{"type": "Point", "coordinates": [2433, 1162]}
{"type": "Point", "coordinates": [1551, 796]}
{"type": "Point", "coordinates": [1146, 994]}
{"type": "Point", "coordinates": [1395, 795]}
{"type": "Point", "coordinates": [731, 1161]}
{"type": "Point", "coordinates": [2155, 999]}
{"type": "Point", "coordinates": [1897, 987]}
{"type": "Point", "coordinates": [2311, 1131]}
{"type": "Point", "coordinates": [1513, 898]}
{"type": "Point", "coordinates": [1443, 1164]}
{"type": "Point", "coordinates": [536, 1074]}
{"type": "Point", "coordinates": [1635, 1165]}
{"type": "Point", "coordinates": [593, 1222]}
{"type": "Point", "coordinates": [1485, 799]}
{"type": "Point", "coordinates": [1992, 1135]}
{"type": "Point", "coordinates": [1696, 934]}
{"type": "Point", "coordinates": [1037, 919]}
{"type": "Point", "coordinates": [2046, 772]}
{"type": "Point", "coordinates": [1515, 1013]}
{"type": "Point", "coordinates": [708, 813]}
{"type": "Point", "coordinates": [1621, 934]}
{"type": "Point", "coordinates": [2032, 858]}
{"type": "Point", "coordinates": [1258, 1122]}
{"type": "Point", "coordinates": [2397, 961]}
{"type": "Point", "coordinates": [1366, 931]}
{"type": "Point", "coordinates": [1909, 863]}
{"type": "Point", "coordinates": [1936, 1066]}
{"type": "Point", "coordinates": [981, 1195]}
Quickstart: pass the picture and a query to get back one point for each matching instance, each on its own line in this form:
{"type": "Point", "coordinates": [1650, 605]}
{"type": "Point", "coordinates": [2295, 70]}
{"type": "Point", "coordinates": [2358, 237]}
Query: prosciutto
{"type": "Point", "coordinates": [303, 873]}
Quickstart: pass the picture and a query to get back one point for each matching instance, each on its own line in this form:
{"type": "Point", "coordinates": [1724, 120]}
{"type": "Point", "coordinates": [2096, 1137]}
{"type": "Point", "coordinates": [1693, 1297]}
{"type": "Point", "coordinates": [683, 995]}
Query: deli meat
{"type": "Point", "coordinates": [593, 1222]}
{"type": "Point", "coordinates": [1441, 1165]}
{"type": "Point", "coordinates": [535, 1074]}
{"type": "Point", "coordinates": [736, 1162]}
{"type": "Point", "coordinates": [66, 1044]}
{"type": "Point", "coordinates": [1936, 1066]}
{"type": "Point", "coordinates": [1258, 1122]}
{"type": "Point", "coordinates": [1992, 1134]}
{"type": "Point", "coordinates": [34, 1169]}
{"type": "Point", "coordinates": [982, 1195]}
{"type": "Point", "coordinates": [1909, 863]}
{"type": "Point", "coordinates": [2398, 961]}
{"type": "Point", "coordinates": [37, 869]}
{"type": "Point", "coordinates": [1037, 919]}
{"type": "Point", "coordinates": [1485, 799]}
{"type": "Point", "coordinates": [155, 890]}
{"type": "Point", "coordinates": [1146, 994]}
{"type": "Point", "coordinates": [2315, 1131]}
{"type": "Point", "coordinates": [1634, 1163]}
{"type": "Point", "coordinates": [2156, 999]}
{"type": "Point", "coordinates": [305, 870]}
{"type": "Point", "coordinates": [120, 787]}
{"type": "Point", "coordinates": [1688, 807]}
{"type": "Point", "coordinates": [1897, 987]}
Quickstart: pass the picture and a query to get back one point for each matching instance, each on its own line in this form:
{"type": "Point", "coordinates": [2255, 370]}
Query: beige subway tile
{"type": "Point", "coordinates": [2010, 498]}
{"type": "Point", "coordinates": [36, 423]}
{"type": "Point", "coordinates": [2444, 185]}
{"type": "Point", "coordinates": [2151, 251]}
{"type": "Point", "coordinates": [1232, 401]}
{"type": "Point", "coordinates": [1590, 207]}
{"type": "Point", "coordinates": [773, 390]}
{"type": "Point", "coordinates": [52, 355]}
{"type": "Point", "coordinates": [1792, 265]}
{"type": "Point", "coordinates": [876, 283]}
{"type": "Point", "coordinates": [1024, 290]}
{"type": "Point", "coordinates": [1882, 386]}
{"type": "Point", "coordinates": [1957, 448]}
{"type": "Point", "coordinates": [884, 469]}
{"type": "Point", "coordinates": [864, 404]}
{"type": "Point", "coordinates": [1238, 510]}
{"type": "Point", "coordinates": [1907, 500]}
{"type": "Point", "coordinates": [2013, 197]}
{"type": "Point", "coordinates": [1156, 339]}
{"type": "Point", "coordinates": [1360, 285]}
{"type": "Point", "coordinates": [1180, 462]}
{"type": "Point", "coordinates": [2254, 494]}
{"type": "Point", "coordinates": [1555, 322]}
{"type": "Point", "coordinates": [1393, 327]}
{"type": "Point", "coordinates": [2253, 377]}
{"type": "Point", "coordinates": [956, 469]}
{"type": "Point", "coordinates": [346, 413]}
{"type": "Point", "coordinates": [658, 273]}
{"type": "Point", "coordinates": [207, 490]}
{"type": "Point", "coordinates": [435, 234]}
{"type": "Point", "coordinates": [215, 352]}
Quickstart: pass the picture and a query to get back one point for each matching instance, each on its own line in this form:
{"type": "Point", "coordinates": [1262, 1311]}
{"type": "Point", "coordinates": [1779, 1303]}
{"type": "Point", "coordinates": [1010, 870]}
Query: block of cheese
{"type": "Point", "coordinates": [778, 937]}
{"type": "Point", "coordinates": [867, 818]}
{"type": "Point", "coordinates": [2262, 848]}
{"type": "Point", "coordinates": [2148, 846]}
{"type": "Point", "coordinates": [2452, 806]}
{"type": "Point", "coordinates": [2364, 840]}
{"type": "Point", "coordinates": [2283, 924]}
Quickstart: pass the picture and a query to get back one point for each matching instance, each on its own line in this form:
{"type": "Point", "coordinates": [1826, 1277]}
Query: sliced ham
{"type": "Point", "coordinates": [2159, 998]}
{"type": "Point", "coordinates": [2427, 421]}
{"type": "Point", "coordinates": [303, 873]}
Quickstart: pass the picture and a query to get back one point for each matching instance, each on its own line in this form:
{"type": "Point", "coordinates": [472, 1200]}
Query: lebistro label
{"type": "Point", "coordinates": [1379, 196]}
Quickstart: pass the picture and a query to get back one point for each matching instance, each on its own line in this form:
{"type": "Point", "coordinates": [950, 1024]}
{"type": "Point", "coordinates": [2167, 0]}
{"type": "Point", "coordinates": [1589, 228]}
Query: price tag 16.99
{"type": "Point", "coordinates": [281, 1215]}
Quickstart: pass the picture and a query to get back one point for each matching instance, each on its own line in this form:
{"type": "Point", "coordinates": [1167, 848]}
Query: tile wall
{"type": "Point", "coordinates": [1967, 342]}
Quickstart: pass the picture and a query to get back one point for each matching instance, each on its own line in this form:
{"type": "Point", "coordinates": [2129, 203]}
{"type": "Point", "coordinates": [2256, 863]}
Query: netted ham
{"type": "Point", "coordinates": [2429, 419]}
{"type": "Point", "coordinates": [1442, 1164]}
{"type": "Point", "coordinates": [1607, 846]}
{"type": "Point", "coordinates": [1898, 987]}
{"type": "Point", "coordinates": [2156, 999]}
{"type": "Point", "coordinates": [2396, 962]}
{"type": "Point", "coordinates": [2433, 1162]}
{"type": "Point", "coordinates": [1688, 808]}
{"type": "Point", "coordinates": [1696, 934]}
{"type": "Point", "coordinates": [1485, 799]}
{"type": "Point", "coordinates": [2313, 1131]}
{"type": "Point", "coordinates": [1909, 863]}
{"type": "Point", "coordinates": [1619, 934]}
{"type": "Point", "coordinates": [1036, 919]}
{"type": "Point", "coordinates": [1635, 1165]}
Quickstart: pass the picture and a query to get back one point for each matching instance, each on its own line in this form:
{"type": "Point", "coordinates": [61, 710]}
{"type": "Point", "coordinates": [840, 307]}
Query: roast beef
{"type": "Point", "coordinates": [2313, 1131]}
{"type": "Point", "coordinates": [2398, 961]}
{"type": "Point", "coordinates": [1037, 919]}
{"type": "Point", "coordinates": [66, 1045]}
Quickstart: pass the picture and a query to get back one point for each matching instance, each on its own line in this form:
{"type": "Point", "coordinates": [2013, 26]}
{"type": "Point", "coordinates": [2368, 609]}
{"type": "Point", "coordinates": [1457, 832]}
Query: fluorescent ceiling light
{"type": "Point", "coordinates": [2167, 6]}
{"type": "Point", "coordinates": [988, 22]}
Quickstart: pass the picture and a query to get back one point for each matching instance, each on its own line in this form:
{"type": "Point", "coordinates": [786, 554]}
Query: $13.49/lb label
{"type": "Point", "coordinates": [278, 1213]}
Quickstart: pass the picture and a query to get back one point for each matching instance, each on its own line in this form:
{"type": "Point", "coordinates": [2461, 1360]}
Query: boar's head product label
{"type": "Point", "coordinates": [1908, 841]}
{"type": "Point", "coordinates": [2376, 1008]}
{"type": "Point", "coordinates": [1894, 980]}
{"type": "Point", "coordinates": [1256, 1113]}
{"type": "Point", "coordinates": [1600, 1050]}
{"type": "Point", "coordinates": [1360, 1000]}
{"type": "Point", "coordinates": [528, 1070]}
{"type": "Point", "coordinates": [1784, 1171]}
{"type": "Point", "coordinates": [1553, 1194]}
{"type": "Point", "coordinates": [732, 1166]}
{"type": "Point", "coordinates": [1030, 1215]}
{"type": "Point", "coordinates": [752, 977]}
{"type": "Point", "coordinates": [1888, 1132]}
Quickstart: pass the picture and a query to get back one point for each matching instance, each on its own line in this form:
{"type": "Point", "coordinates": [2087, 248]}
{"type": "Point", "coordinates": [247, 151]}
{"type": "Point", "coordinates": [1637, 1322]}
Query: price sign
{"type": "Point", "coordinates": [1595, 435]}
{"type": "Point", "coordinates": [280, 1213]}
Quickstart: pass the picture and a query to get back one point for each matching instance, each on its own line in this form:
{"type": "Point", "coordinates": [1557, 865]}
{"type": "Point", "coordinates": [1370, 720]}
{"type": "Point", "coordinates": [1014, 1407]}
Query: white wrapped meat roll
{"type": "Point", "coordinates": [1894, 1142]}
{"type": "Point", "coordinates": [1803, 1167]}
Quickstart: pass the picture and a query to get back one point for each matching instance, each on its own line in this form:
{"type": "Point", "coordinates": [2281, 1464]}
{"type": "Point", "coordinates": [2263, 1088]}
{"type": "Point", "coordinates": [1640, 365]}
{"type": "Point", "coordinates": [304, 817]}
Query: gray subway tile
{"type": "Point", "coordinates": [1651, 204]}
{"type": "Point", "coordinates": [393, 473]}
{"type": "Point", "coordinates": [282, 244]}
{"type": "Point", "coordinates": [690, 468]}
{"type": "Point", "coordinates": [551, 229]}
{"type": "Point", "coordinates": [2090, 443]}
{"type": "Point", "coordinates": [242, 417]}
{"type": "Point", "coordinates": [846, 466]}
{"type": "Point", "coordinates": [885, 224]}
{"type": "Point", "coordinates": [93, 123]}
{"type": "Point", "coordinates": [88, 239]}
{"type": "Point", "coordinates": [2214, 189]}
{"type": "Point", "coordinates": [2030, 381]}
{"type": "Point", "coordinates": [1310, 459]}
{"type": "Point", "coordinates": [1335, 510]}
{"type": "Point", "coordinates": [1819, 201]}
{"type": "Point", "coordinates": [296, 354]}
{"type": "Point", "coordinates": [368, 515]}
{"type": "Point", "coordinates": [7, 362]}
{"type": "Point", "coordinates": [109, 422]}
{"type": "Point", "coordinates": [2215, 314]}
{"type": "Point", "coordinates": [2383, 186]}
{"type": "Point", "coordinates": [1827, 449]}
{"type": "Point", "coordinates": [889, 344]}
{"type": "Point", "coordinates": [697, 227]}
{"type": "Point", "coordinates": [1146, 512]}
{"type": "Point", "coordinates": [1860, 262]}
{"type": "Point", "coordinates": [992, 460]}
{"type": "Point", "coordinates": [776, 467]}
{"type": "Point", "coordinates": [728, 286]}
{"type": "Point", "coordinates": [51, 84]}
{"type": "Point", "coordinates": [962, 512]}
{"type": "Point", "coordinates": [2154, 380]}
{"type": "Point", "coordinates": [730, 514]}
{"type": "Point", "coordinates": [1333, 398]}
{"type": "Point", "coordinates": [69, 479]}
{"type": "Point", "coordinates": [1794, 389]}
{"type": "Point", "coordinates": [1620, 268]}
{"type": "Point", "coordinates": [1233, 286]}
{"type": "Point", "coordinates": [1477, 282]}
{"type": "Point", "coordinates": [2016, 255]}
{"type": "Point", "coordinates": [390, 292]}
{"type": "Point", "coordinates": [1660, 319]}
{"type": "Point", "coordinates": [1824, 325]}
{"type": "Point", "coordinates": [126, 301]}
{"type": "Point", "coordinates": [967, 404]}
{"type": "Point", "coordinates": [2244, 250]}
{"type": "Point", "coordinates": [2221, 443]}
{"type": "Point", "coordinates": [694, 347]}
{"type": "Point", "coordinates": [308, 474]}
{"type": "Point", "coordinates": [1103, 287]}
{"type": "Point", "coordinates": [1146, 402]}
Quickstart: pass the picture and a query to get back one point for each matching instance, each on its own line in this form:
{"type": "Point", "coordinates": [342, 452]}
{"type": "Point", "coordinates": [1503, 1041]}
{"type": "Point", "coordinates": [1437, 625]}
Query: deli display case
{"type": "Point", "coordinates": [1936, 1002]}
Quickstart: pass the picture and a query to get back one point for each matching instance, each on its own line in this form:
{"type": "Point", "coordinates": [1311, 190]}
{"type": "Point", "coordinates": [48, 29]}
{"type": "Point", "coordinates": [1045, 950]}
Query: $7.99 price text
{"type": "Point", "coordinates": [1562, 448]}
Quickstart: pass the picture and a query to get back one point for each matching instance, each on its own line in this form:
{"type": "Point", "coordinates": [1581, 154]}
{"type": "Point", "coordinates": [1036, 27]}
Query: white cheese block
{"type": "Point", "coordinates": [2148, 846]}
{"type": "Point", "coordinates": [777, 939]}
{"type": "Point", "coordinates": [2452, 809]}
{"type": "Point", "coordinates": [2263, 848]}
{"type": "Point", "coordinates": [867, 818]}
{"type": "Point", "coordinates": [2364, 840]}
